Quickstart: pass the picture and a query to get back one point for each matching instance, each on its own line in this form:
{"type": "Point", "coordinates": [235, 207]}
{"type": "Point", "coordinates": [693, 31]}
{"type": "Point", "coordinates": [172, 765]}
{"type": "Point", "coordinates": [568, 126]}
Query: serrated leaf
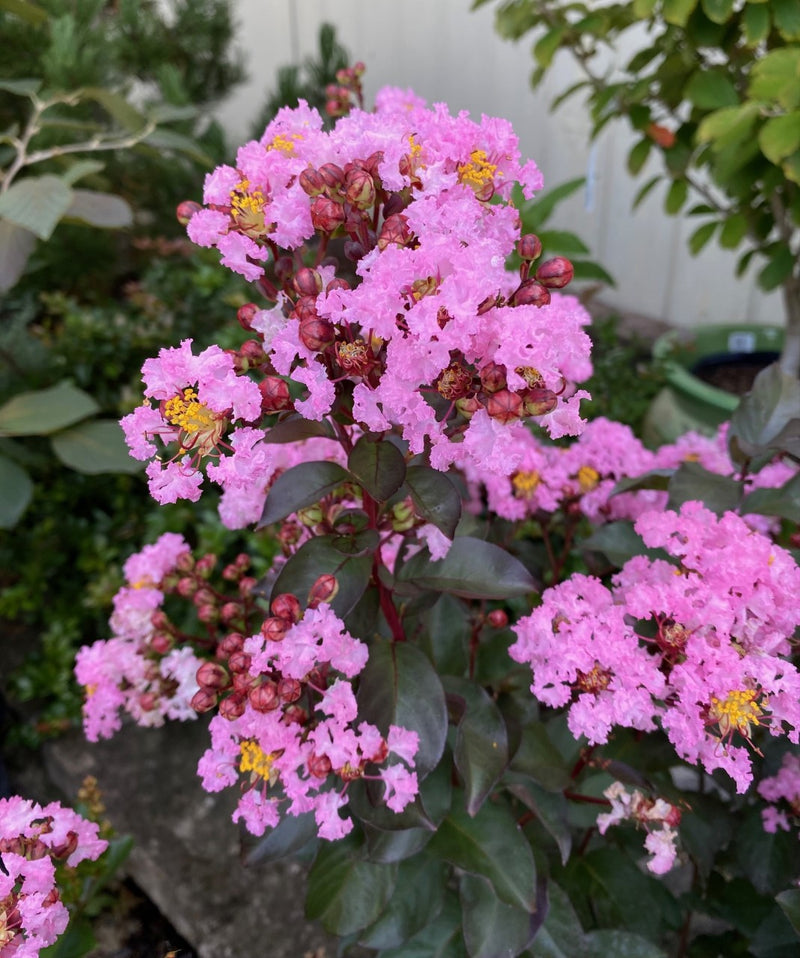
{"type": "Point", "coordinates": [94, 448]}
{"type": "Point", "coordinates": [328, 555]}
{"type": "Point", "coordinates": [779, 137]}
{"type": "Point", "coordinates": [691, 482]}
{"type": "Point", "coordinates": [490, 844]}
{"type": "Point", "coordinates": [480, 751]}
{"type": "Point", "coordinates": [417, 900]}
{"type": "Point", "coordinates": [473, 569]}
{"type": "Point", "coordinates": [491, 927]}
{"type": "Point", "coordinates": [399, 686]}
{"type": "Point", "coordinates": [435, 498]}
{"type": "Point", "coordinates": [103, 210]}
{"type": "Point", "coordinates": [291, 834]}
{"type": "Point", "coordinates": [301, 486]}
{"type": "Point", "coordinates": [17, 492]}
{"type": "Point", "coordinates": [44, 411]}
{"type": "Point", "coordinates": [16, 246]}
{"type": "Point", "coordinates": [711, 90]}
{"type": "Point", "coordinates": [36, 203]}
{"type": "Point", "coordinates": [345, 892]}
{"type": "Point", "coordinates": [379, 467]}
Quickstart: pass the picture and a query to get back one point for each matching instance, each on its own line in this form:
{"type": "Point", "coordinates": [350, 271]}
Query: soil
{"type": "Point", "coordinates": [734, 373]}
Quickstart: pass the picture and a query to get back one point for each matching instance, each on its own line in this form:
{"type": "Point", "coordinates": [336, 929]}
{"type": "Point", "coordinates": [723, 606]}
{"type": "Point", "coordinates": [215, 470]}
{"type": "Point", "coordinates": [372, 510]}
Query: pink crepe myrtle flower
{"type": "Point", "coordinates": [658, 817]}
{"type": "Point", "coordinates": [784, 788]}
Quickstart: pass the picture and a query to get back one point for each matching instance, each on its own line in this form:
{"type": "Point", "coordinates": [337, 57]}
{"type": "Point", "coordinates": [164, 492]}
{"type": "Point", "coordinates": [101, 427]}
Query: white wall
{"type": "Point", "coordinates": [446, 52]}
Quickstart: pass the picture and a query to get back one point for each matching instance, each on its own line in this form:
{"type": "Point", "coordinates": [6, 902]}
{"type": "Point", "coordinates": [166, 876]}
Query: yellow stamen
{"type": "Point", "coordinates": [525, 483]}
{"type": "Point", "coordinates": [256, 761]}
{"type": "Point", "coordinates": [736, 712]}
{"type": "Point", "coordinates": [284, 144]}
{"type": "Point", "coordinates": [588, 478]}
{"type": "Point", "coordinates": [416, 148]}
{"type": "Point", "coordinates": [479, 172]}
{"type": "Point", "coordinates": [186, 412]}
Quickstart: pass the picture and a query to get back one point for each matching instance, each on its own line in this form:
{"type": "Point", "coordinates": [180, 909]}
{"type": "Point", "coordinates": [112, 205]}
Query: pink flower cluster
{"type": "Point", "coordinates": [289, 732]}
{"type": "Point", "coordinates": [784, 786]}
{"type": "Point", "coordinates": [32, 839]}
{"type": "Point", "coordinates": [698, 645]}
{"type": "Point", "coordinates": [434, 317]}
{"type": "Point", "coordinates": [656, 816]}
{"type": "Point", "coordinates": [131, 672]}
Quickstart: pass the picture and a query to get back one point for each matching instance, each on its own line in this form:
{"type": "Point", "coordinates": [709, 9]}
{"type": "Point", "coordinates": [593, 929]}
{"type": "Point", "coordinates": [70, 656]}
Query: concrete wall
{"type": "Point", "coordinates": [446, 52]}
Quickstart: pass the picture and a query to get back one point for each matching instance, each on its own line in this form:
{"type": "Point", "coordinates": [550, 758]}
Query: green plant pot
{"type": "Point", "coordinates": [687, 402]}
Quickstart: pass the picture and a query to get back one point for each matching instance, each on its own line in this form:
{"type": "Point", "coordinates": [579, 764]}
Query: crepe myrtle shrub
{"type": "Point", "coordinates": [510, 668]}
{"type": "Point", "coordinates": [712, 88]}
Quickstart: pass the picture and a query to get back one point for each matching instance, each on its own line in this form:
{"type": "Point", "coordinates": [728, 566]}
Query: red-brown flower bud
{"type": "Point", "coordinates": [204, 596]}
{"type": "Point", "coordinates": [264, 697]}
{"type": "Point", "coordinates": [233, 642]}
{"type": "Point", "coordinates": [497, 618]}
{"type": "Point", "coordinates": [246, 585]}
{"type": "Point", "coordinates": [539, 401]}
{"type": "Point", "coordinates": [316, 334]}
{"type": "Point", "coordinates": [318, 765]}
{"type": "Point", "coordinates": [185, 562]}
{"type": "Point", "coordinates": [326, 214]}
{"type": "Point", "coordinates": [186, 211]}
{"type": "Point", "coordinates": [250, 355]}
{"type": "Point", "coordinates": [530, 293]}
{"type": "Point", "coordinates": [529, 247]}
{"type": "Point", "coordinates": [323, 590]}
{"type": "Point", "coordinates": [295, 715]}
{"type": "Point", "coordinates": [556, 273]}
{"type": "Point", "coordinates": [230, 611]}
{"type": "Point", "coordinates": [234, 705]}
{"type": "Point", "coordinates": [308, 282]}
{"type": "Point", "coordinates": [359, 189]}
{"type": "Point", "coordinates": [205, 565]}
{"type": "Point", "coordinates": [287, 606]}
{"type": "Point", "coordinates": [240, 661]}
{"type": "Point", "coordinates": [208, 613]}
{"type": "Point", "coordinates": [275, 395]}
{"type": "Point", "coordinates": [289, 690]}
{"type": "Point", "coordinates": [161, 643]}
{"type": "Point", "coordinates": [493, 377]}
{"type": "Point", "coordinates": [274, 629]}
{"type": "Point", "coordinates": [284, 269]}
{"type": "Point", "coordinates": [212, 675]}
{"type": "Point", "coordinates": [186, 587]}
{"type": "Point", "coordinates": [204, 700]}
{"type": "Point", "coordinates": [504, 406]}
{"type": "Point", "coordinates": [245, 314]}
{"type": "Point", "coordinates": [312, 182]}
{"type": "Point", "coordinates": [337, 283]}
{"type": "Point", "coordinates": [395, 230]}
{"type": "Point", "coordinates": [148, 701]}
{"type": "Point", "coordinates": [332, 175]}
{"type": "Point", "coordinates": [468, 406]}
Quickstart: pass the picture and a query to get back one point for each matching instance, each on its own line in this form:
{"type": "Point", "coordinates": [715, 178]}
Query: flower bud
{"type": "Point", "coordinates": [245, 314]}
{"type": "Point", "coordinates": [161, 643]}
{"type": "Point", "coordinates": [403, 516]}
{"type": "Point", "coordinates": [264, 697]}
{"type": "Point", "coordinates": [284, 269]}
{"type": "Point", "coordinates": [323, 590]}
{"type": "Point", "coordinates": [231, 573]}
{"type": "Point", "coordinates": [205, 565]}
{"type": "Point", "coordinates": [337, 283]}
{"type": "Point", "coordinates": [233, 706]}
{"type": "Point", "coordinates": [308, 282]}
{"type": "Point", "coordinates": [204, 700]}
{"type": "Point", "coordinates": [395, 230]}
{"type": "Point", "coordinates": [316, 334]}
{"type": "Point", "coordinates": [318, 765]}
{"type": "Point", "coordinates": [240, 661]}
{"type": "Point", "coordinates": [332, 175]}
{"type": "Point", "coordinates": [249, 355]}
{"type": "Point", "coordinates": [529, 247]}
{"type": "Point", "coordinates": [497, 618]}
{"type": "Point", "coordinates": [504, 406]}
{"type": "Point", "coordinates": [243, 681]}
{"type": "Point", "coordinates": [185, 562]}
{"type": "Point", "coordinates": [212, 675]}
{"type": "Point", "coordinates": [295, 715]}
{"type": "Point", "coordinates": [539, 401]}
{"type": "Point", "coordinates": [286, 606]}
{"type": "Point", "coordinates": [186, 211]}
{"type": "Point", "coordinates": [326, 214]}
{"type": "Point", "coordinates": [289, 690]}
{"type": "Point", "coordinates": [233, 642]}
{"type": "Point", "coordinates": [204, 596]}
{"type": "Point", "coordinates": [246, 585]}
{"type": "Point", "coordinates": [468, 406]}
{"type": "Point", "coordinates": [354, 250]}
{"type": "Point", "coordinates": [312, 182]}
{"type": "Point", "coordinates": [275, 395]}
{"type": "Point", "coordinates": [556, 273]}
{"type": "Point", "coordinates": [148, 701]}
{"type": "Point", "coordinates": [274, 629]}
{"type": "Point", "coordinates": [530, 292]}
{"type": "Point", "coordinates": [359, 189]}
{"type": "Point", "coordinates": [186, 587]}
{"type": "Point", "coordinates": [493, 377]}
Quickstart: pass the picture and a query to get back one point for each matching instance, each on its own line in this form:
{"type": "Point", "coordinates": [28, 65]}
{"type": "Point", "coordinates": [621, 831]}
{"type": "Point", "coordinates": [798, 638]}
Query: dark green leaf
{"type": "Point", "coordinates": [379, 467]}
{"type": "Point", "coordinates": [301, 486]}
{"type": "Point", "coordinates": [324, 555]}
{"type": "Point", "coordinates": [492, 929]}
{"type": "Point", "coordinates": [16, 246]}
{"type": "Point", "coordinates": [396, 846]}
{"type": "Point", "coordinates": [45, 411]}
{"type": "Point", "coordinates": [711, 90]}
{"type": "Point", "coordinates": [678, 11]}
{"type": "Point", "coordinates": [618, 541]}
{"type": "Point", "coordinates": [545, 48]}
{"type": "Point", "coordinates": [769, 415]}
{"type": "Point", "coordinates": [700, 237]}
{"type": "Point", "coordinates": [36, 203]}
{"type": "Point", "coordinates": [445, 635]}
{"type": "Point", "coordinates": [490, 844]}
{"type": "Point", "coordinates": [21, 87]}
{"type": "Point", "coordinates": [345, 892]}
{"type": "Point", "coordinates": [417, 900]}
{"type": "Point", "coordinates": [718, 11]}
{"type": "Point", "coordinates": [295, 429]}
{"type": "Point", "coordinates": [17, 492]}
{"type": "Point", "coordinates": [399, 686]}
{"type": "Point", "coordinates": [117, 107]}
{"type": "Point", "coordinates": [734, 230]}
{"type": "Point", "coordinates": [435, 498]}
{"type": "Point", "coordinates": [78, 940]}
{"type": "Point", "coordinates": [653, 479]}
{"type": "Point", "coordinates": [585, 269]}
{"type": "Point", "coordinates": [561, 935]}
{"type": "Point", "coordinates": [163, 139]}
{"type": "Point", "coordinates": [99, 209]}
{"type": "Point", "coordinates": [756, 23]}
{"type": "Point", "coordinates": [786, 14]}
{"type": "Point", "coordinates": [291, 834]}
{"type": "Point", "coordinates": [535, 213]}
{"type": "Point", "coordinates": [691, 482]}
{"type": "Point", "coordinates": [638, 156]}
{"type": "Point", "coordinates": [677, 194]}
{"type": "Point", "coordinates": [551, 811]}
{"type": "Point", "coordinates": [768, 859]}
{"type": "Point", "coordinates": [481, 746]}
{"type": "Point", "coordinates": [783, 501]}
{"type": "Point", "coordinates": [537, 758]}
{"type": "Point", "coordinates": [790, 903]}
{"type": "Point", "coordinates": [778, 269]}
{"type": "Point", "coordinates": [440, 939]}
{"type": "Point", "coordinates": [94, 448]}
{"type": "Point", "coordinates": [561, 241]}
{"type": "Point", "coordinates": [472, 568]}
{"type": "Point", "coordinates": [620, 944]}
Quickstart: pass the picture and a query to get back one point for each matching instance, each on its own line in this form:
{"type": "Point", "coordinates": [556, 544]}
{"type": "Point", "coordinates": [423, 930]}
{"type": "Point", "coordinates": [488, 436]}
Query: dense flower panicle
{"type": "Point", "coordinates": [32, 839]}
{"type": "Point", "coordinates": [302, 760]}
{"type": "Point", "coordinates": [698, 645]}
{"type": "Point", "coordinates": [782, 787]}
{"type": "Point", "coordinates": [130, 672]}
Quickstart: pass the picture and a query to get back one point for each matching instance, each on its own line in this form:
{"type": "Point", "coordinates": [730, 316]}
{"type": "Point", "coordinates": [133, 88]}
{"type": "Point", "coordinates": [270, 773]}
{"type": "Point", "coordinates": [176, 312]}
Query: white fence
{"type": "Point", "coordinates": [448, 53]}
